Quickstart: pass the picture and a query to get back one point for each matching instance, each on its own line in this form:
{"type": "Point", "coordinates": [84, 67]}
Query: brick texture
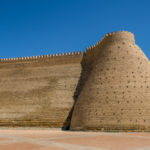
{"type": "Point", "coordinates": [106, 88]}
{"type": "Point", "coordinates": [38, 92]}
{"type": "Point", "coordinates": [116, 93]}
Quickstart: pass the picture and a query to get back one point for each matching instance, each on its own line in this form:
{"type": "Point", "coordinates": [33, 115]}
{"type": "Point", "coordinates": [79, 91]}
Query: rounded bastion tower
{"type": "Point", "coordinates": [116, 93]}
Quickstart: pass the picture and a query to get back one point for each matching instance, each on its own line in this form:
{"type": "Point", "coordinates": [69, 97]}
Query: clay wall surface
{"type": "Point", "coordinates": [106, 88]}
{"type": "Point", "coordinates": [116, 93]}
{"type": "Point", "coordinates": [38, 91]}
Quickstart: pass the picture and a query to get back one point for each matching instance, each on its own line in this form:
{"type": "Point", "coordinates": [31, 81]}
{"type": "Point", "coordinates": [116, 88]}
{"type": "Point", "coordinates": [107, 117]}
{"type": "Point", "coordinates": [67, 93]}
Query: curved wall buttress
{"type": "Point", "coordinates": [116, 94]}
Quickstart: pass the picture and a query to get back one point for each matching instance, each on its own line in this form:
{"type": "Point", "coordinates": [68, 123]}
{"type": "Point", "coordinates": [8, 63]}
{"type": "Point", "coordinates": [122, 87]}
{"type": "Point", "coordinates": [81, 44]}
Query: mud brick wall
{"type": "Point", "coordinates": [116, 94]}
{"type": "Point", "coordinates": [38, 91]}
{"type": "Point", "coordinates": [105, 88]}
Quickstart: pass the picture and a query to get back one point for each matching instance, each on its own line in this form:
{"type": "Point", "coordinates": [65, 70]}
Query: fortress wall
{"type": "Point", "coordinates": [38, 91]}
{"type": "Point", "coordinates": [116, 93]}
{"type": "Point", "coordinates": [108, 40]}
{"type": "Point", "coordinates": [110, 83]}
{"type": "Point", "coordinates": [51, 58]}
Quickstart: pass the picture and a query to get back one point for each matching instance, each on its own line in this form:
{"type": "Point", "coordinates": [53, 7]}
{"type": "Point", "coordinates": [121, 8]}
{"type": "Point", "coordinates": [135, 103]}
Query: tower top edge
{"type": "Point", "coordinates": [115, 36]}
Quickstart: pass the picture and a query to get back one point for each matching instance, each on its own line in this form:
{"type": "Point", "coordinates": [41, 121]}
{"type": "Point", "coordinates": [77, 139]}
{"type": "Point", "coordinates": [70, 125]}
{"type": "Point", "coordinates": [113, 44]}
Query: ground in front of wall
{"type": "Point", "coordinates": [55, 139]}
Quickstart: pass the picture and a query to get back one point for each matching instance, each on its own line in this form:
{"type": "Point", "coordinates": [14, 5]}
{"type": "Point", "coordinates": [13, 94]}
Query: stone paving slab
{"type": "Point", "coordinates": [54, 139]}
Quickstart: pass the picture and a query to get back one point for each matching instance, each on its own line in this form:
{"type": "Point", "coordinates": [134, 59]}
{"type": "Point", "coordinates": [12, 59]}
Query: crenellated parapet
{"type": "Point", "coordinates": [88, 56]}
{"type": "Point", "coordinates": [113, 36]}
{"type": "Point", "coordinates": [41, 57]}
{"type": "Point", "coordinates": [108, 39]}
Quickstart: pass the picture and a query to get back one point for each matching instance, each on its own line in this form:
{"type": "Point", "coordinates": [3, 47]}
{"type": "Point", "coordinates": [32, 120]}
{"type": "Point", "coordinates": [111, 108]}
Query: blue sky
{"type": "Point", "coordinates": [37, 27]}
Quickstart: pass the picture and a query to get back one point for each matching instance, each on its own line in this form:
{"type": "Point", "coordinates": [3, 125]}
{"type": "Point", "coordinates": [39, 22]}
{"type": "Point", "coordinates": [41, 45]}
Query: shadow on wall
{"type": "Point", "coordinates": [81, 82]}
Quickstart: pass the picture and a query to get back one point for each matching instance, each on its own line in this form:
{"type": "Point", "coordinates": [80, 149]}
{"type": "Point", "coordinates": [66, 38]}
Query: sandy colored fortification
{"type": "Point", "coordinates": [38, 91]}
{"type": "Point", "coordinates": [116, 93]}
{"type": "Point", "coordinates": [106, 88]}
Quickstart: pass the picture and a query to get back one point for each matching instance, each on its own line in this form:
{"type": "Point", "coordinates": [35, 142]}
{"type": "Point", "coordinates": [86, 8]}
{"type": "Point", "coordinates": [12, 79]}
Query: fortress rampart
{"type": "Point", "coordinates": [106, 87]}
{"type": "Point", "coordinates": [116, 91]}
{"type": "Point", "coordinates": [108, 39]}
{"type": "Point", "coordinates": [38, 91]}
{"type": "Point", "coordinates": [50, 57]}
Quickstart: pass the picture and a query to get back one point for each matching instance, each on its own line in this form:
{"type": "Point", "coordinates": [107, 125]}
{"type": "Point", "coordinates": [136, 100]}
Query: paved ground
{"type": "Point", "coordinates": [48, 139]}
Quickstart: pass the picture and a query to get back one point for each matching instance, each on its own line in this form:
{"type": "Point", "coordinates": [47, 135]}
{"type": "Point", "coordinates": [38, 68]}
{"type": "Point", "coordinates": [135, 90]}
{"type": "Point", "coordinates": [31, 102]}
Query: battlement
{"type": "Point", "coordinates": [108, 39]}
{"type": "Point", "coordinates": [90, 51]}
{"type": "Point", "coordinates": [41, 57]}
{"type": "Point", "coordinates": [114, 36]}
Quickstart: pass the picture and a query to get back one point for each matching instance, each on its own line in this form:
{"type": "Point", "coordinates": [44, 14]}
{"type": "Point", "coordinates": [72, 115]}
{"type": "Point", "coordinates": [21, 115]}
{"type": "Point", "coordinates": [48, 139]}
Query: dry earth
{"type": "Point", "coordinates": [55, 139]}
